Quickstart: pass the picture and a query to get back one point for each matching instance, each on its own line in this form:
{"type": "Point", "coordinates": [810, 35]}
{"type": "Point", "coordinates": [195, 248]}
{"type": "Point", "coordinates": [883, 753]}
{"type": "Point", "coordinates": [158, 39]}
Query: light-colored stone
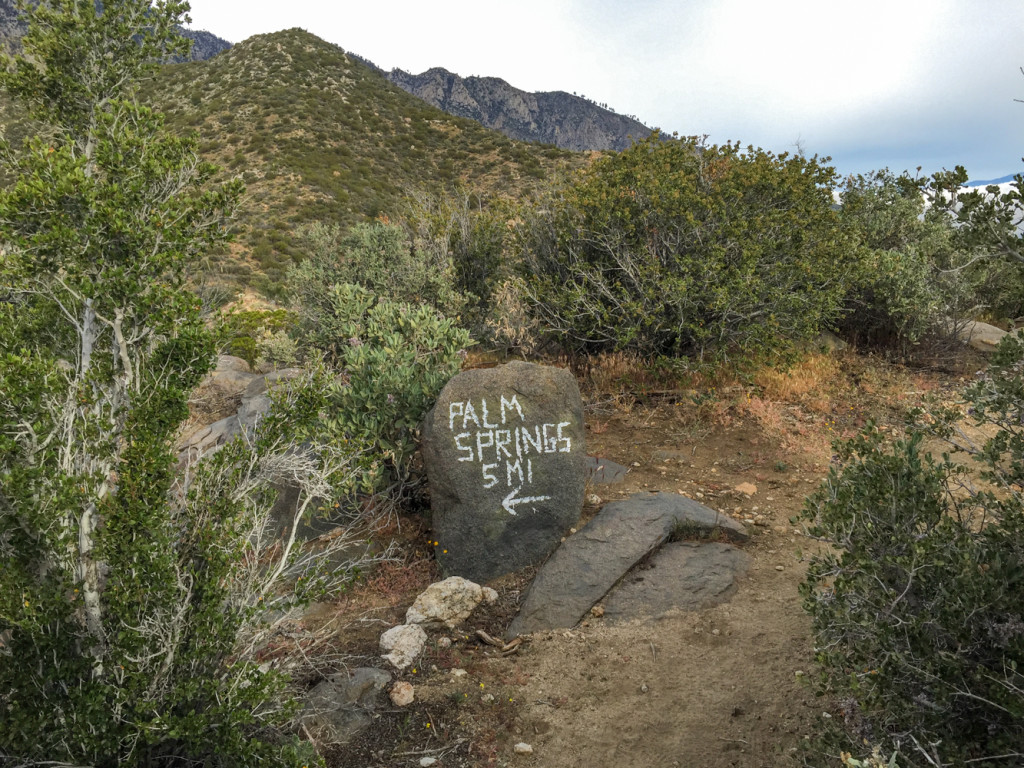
{"type": "Point", "coordinates": [256, 398]}
{"type": "Point", "coordinates": [206, 440]}
{"type": "Point", "coordinates": [402, 644]}
{"type": "Point", "coordinates": [490, 596]}
{"type": "Point", "coordinates": [446, 603]}
{"type": "Point", "coordinates": [522, 748]}
{"type": "Point", "coordinates": [747, 489]}
{"type": "Point", "coordinates": [426, 762]}
{"type": "Point", "coordinates": [402, 694]}
{"type": "Point", "coordinates": [980, 336]}
{"type": "Point", "coordinates": [232, 363]}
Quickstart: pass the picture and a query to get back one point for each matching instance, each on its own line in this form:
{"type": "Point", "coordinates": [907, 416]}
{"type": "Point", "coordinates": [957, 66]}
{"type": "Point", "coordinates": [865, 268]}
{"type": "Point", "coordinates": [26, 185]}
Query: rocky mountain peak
{"type": "Point", "coordinates": [556, 117]}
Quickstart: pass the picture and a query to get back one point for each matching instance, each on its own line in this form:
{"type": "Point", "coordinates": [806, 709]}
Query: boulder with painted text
{"type": "Point", "coordinates": [505, 456]}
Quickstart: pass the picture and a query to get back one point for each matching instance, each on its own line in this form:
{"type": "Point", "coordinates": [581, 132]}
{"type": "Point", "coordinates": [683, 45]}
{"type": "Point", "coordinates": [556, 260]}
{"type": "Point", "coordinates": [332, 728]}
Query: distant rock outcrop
{"type": "Point", "coordinates": [204, 44]}
{"type": "Point", "coordinates": [558, 118]}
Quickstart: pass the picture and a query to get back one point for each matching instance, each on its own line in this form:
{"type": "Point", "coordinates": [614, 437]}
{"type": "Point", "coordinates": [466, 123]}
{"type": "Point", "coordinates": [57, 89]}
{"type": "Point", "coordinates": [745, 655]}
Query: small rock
{"type": "Point", "coordinates": [594, 500]}
{"type": "Point", "coordinates": [597, 611]}
{"type": "Point", "coordinates": [716, 632]}
{"type": "Point", "coordinates": [342, 705]}
{"type": "Point", "coordinates": [402, 694]}
{"type": "Point", "coordinates": [457, 673]}
{"type": "Point", "coordinates": [644, 688]}
{"type": "Point", "coordinates": [487, 698]}
{"type": "Point", "coordinates": [490, 596]}
{"type": "Point", "coordinates": [446, 603]}
{"type": "Point", "coordinates": [426, 762]}
{"type": "Point", "coordinates": [522, 748]}
{"type": "Point", "coordinates": [636, 463]}
{"type": "Point", "coordinates": [779, 568]}
{"type": "Point", "coordinates": [444, 643]}
{"type": "Point", "coordinates": [402, 644]}
{"type": "Point", "coordinates": [748, 489]}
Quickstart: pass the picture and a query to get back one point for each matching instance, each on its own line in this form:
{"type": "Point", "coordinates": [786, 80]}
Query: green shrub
{"type": "Point", "coordinates": [276, 349]}
{"type": "Point", "coordinates": [988, 224]}
{"type": "Point", "coordinates": [911, 274]}
{"type": "Point", "coordinates": [377, 256]}
{"type": "Point", "coordinates": [126, 588]}
{"type": "Point", "coordinates": [392, 359]}
{"type": "Point", "coordinates": [471, 234]}
{"type": "Point", "coordinates": [675, 248]}
{"type": "Point", "coordinates": [243, 330]}
{"type": "Point", "coordinates": [918, 615]}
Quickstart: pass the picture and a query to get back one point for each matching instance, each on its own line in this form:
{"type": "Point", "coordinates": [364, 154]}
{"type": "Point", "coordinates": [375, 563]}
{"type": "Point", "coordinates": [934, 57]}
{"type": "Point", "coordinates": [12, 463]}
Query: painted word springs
{"type": "Point", "coordinates": [500, 441]}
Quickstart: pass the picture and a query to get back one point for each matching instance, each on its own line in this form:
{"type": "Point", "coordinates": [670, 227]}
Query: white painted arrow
{"type": "Point", "coordinates": [511, 502]}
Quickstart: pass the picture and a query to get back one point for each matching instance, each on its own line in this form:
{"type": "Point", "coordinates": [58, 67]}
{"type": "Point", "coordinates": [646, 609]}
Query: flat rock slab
{"type": "Point", "coordinates": [603, 471]}
{"type": "Point", "coordinates": [681, 576]}
{"type": "Point", "coordinates": [586, 567]}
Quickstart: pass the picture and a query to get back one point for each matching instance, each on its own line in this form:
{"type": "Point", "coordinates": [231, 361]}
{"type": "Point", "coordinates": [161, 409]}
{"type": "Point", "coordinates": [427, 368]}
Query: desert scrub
{"type": "Point", "coordinates": [377, 256]}
{"type": "Point", "coordinates": [676, 248]}
{"type": "Point", "coordinates": [391, 360]}
{"type": "Point", "coordinates": [917, 614]}
{"type": "Point", "coordinates": [242, 331]}
{"type": "Point", "coordinates": [913, 269]}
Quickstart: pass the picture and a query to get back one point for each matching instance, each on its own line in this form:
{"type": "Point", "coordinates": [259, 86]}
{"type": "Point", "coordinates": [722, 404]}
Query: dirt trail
{"type": "Point", "coordinates": [717, 687]}
{"type": "Point", "coordinates": [723, 686]}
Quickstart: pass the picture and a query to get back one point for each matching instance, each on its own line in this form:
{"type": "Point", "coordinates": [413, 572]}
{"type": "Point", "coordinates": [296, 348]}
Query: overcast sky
{"type": "Point", "coordinates": [873, 83]}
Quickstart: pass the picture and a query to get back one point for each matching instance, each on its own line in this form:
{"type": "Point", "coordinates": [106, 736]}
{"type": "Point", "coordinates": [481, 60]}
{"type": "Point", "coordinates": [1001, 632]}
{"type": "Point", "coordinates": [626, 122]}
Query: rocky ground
{"type": "Point", "coordinates": [724, 683]}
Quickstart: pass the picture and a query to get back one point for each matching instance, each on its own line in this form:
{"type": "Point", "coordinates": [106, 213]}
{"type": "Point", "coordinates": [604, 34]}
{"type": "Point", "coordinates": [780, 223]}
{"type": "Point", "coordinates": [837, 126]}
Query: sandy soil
{"type": "Point", "coordinates": [717, 687]}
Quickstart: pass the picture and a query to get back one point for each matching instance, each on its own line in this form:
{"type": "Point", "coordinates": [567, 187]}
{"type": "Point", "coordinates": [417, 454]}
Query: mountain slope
{"type": "Point", "coordinates": [555, 118]}
{"type": "Point", "coordinates": [318, 135]}
{"type": "Point", "coordinates": [205, 45]}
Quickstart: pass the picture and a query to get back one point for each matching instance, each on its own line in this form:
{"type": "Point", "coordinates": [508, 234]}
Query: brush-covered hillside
{"type": "Point", "coordinates": [319, 136]}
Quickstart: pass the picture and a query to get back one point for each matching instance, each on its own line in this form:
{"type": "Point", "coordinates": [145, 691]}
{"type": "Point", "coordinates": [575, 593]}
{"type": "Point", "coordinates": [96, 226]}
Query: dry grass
{"type": "Point", "coordinates": [809, 380]}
